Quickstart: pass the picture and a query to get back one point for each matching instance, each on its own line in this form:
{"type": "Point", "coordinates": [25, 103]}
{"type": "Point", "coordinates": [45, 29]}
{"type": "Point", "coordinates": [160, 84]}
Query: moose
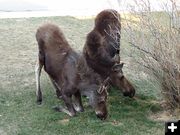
{"type": "Point", "coordinates": [102, 47]}
{"type": "Point", "coordinates": [69, 73]}
{"type": "Point", "coordinates": [74, 74]}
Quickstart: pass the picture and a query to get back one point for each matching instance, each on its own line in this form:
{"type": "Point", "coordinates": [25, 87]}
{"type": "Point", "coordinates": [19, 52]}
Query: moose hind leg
{"type": "Point", "coordinates": [38, 68]}
{"type": "Point", "coordinates": [78, 102]}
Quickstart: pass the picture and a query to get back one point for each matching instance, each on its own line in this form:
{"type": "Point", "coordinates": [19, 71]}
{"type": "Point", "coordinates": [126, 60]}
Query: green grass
{"type": "Point", "coordinates": [19, 113]}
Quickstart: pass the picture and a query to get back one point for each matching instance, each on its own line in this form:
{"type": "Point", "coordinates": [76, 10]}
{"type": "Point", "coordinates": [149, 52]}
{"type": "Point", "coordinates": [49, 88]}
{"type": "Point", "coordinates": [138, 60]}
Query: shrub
{"type": "Point", "coordinates": [155, 37]}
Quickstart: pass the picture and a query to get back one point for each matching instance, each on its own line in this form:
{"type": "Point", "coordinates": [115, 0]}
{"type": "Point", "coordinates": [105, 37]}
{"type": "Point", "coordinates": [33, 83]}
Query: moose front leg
{"type": "Point", "coordinates": [68, 102]}
{"type": "Point", "coordinates": [78, 102]}
{"type": "Point", "coordinates": [57, 87]}
{"type": "Point", "coordinates": [62, 109]}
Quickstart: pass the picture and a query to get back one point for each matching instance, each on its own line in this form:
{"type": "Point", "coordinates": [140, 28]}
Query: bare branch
{"type": "Point", "coordinates": [155, 45]}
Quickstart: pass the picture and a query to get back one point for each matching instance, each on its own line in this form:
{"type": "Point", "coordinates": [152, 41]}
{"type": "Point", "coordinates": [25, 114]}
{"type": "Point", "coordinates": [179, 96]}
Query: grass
{"type": "Point", "coordinates": [19, 113]}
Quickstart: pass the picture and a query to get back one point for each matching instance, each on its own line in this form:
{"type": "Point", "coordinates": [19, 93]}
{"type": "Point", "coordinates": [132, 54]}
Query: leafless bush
{"type": "Point", "coordinates": [155, 37]}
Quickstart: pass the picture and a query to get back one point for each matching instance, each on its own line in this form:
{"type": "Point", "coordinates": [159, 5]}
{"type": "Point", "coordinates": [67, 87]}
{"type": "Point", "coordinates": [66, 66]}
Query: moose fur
{"type": "Point", "coordinates": [69, 73]}
{"type": "Point", "coordinates": [102, 47]}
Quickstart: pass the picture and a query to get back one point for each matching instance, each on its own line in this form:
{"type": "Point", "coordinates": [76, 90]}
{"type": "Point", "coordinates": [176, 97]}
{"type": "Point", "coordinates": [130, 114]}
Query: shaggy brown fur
{"type": "Point", "coordinates": [102, 47]}
{"type": "Point", "coordinates": [69, 73]}
{"type": "Point", "coordinates": [102, 43]}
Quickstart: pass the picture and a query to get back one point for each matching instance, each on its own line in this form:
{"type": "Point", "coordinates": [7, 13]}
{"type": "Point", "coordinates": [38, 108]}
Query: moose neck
{"type": "Point", "coordinates": [89, 81]}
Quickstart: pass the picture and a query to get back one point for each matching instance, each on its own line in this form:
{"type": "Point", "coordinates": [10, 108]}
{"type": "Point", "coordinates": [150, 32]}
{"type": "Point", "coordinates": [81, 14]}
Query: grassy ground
{"type": "Point", "coordinates": [19, 114]}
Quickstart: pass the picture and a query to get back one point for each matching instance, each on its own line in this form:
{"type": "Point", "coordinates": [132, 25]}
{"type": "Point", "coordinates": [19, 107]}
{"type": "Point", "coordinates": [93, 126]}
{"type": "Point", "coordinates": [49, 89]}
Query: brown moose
{"type": "Point", "coordinates": [69, 73]}
{"type": "Point", "coordinates": [101, 50]}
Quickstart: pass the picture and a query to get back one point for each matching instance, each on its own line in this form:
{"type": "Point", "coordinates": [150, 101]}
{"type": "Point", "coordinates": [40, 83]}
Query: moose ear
{"type": "Point", "coordinates": [117, 67]}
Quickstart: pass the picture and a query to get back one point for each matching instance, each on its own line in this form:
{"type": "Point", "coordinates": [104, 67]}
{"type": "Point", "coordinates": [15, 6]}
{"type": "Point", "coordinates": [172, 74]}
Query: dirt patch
{"type": "Point", "coordinates": [114, 123]}
{"type": "Point", "coordinates": [64, 121]}
{"type": "Point", "coordinates": [165, 116]}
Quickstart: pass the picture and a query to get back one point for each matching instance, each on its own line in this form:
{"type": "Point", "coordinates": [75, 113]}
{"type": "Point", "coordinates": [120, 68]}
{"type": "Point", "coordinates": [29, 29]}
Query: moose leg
{"type": "Point", "coordinates": [62, 109]}
{"type": "Point", "coordinates": [78, 102]}
{"type": "Point", "coordinates": [68, 101]}
{"type": "Point", "coordinates": [58, 89]}
{"type": "Point", "coordinates": [38, 68]}
{"type": "Point", "coordinates": [70, 109]}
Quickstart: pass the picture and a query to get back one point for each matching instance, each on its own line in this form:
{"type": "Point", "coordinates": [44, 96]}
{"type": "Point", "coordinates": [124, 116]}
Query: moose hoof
{"type": "Point", "coordinates": [101, 116]}
{"type": "Point", "coordinates": [78, 108]}
{"type": "Point", "coordinates": [39, 102]}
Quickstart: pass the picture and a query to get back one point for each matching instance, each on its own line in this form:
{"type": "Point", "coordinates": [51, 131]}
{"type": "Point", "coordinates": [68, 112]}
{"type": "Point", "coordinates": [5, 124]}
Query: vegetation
{"type": "Point", "coordinates": [19, 113]}
{"type": "Point", "coordinates": [155, 39]}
